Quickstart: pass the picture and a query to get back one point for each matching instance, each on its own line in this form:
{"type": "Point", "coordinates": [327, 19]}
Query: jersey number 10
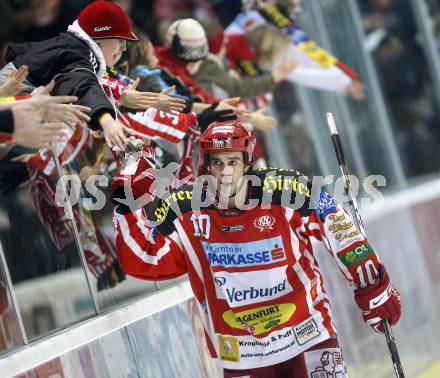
{"type": "Point", "coordinates": [202, 225]}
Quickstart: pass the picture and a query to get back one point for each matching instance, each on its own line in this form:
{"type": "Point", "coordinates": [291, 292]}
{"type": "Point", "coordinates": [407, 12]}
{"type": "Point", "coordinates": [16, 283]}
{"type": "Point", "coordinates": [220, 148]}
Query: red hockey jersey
{"type": "Point", "coordinates": [253, 272]}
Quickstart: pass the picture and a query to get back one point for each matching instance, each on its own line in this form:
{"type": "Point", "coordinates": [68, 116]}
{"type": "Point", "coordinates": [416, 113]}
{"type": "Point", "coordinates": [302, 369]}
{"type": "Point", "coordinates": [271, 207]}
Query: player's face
{"type": "Point", "coordinates": [227, 168]}
{"type": "Point", "coordinates": [112, 49]}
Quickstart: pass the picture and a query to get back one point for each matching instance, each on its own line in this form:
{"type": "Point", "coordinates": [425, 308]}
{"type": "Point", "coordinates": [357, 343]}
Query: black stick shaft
{"type": "Point", "coordinates": [392, 346]}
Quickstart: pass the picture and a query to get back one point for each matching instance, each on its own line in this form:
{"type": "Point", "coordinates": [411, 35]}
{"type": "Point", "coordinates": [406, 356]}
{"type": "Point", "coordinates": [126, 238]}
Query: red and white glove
{"type": "Point", "coordinates": [379, 301]}
{"type": "Point", "coordinates": [135, 174]}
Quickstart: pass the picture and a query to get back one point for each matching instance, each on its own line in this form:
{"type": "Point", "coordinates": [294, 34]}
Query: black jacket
{"type": "Point", "coordinates": [6, 121]}
{"type": "Point", "coordinates": [73, 64]}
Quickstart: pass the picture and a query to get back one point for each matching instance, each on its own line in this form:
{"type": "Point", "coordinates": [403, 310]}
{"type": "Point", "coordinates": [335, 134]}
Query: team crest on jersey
{"type": "Point", "coordinates": [264, 222]}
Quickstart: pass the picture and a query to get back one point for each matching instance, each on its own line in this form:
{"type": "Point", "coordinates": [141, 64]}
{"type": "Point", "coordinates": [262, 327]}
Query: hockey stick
{"type": "Point", "coordinates": [358, 221]}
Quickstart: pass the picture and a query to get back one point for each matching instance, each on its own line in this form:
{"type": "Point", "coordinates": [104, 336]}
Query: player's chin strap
{"type": "Point", "coordinates": [358, 220]}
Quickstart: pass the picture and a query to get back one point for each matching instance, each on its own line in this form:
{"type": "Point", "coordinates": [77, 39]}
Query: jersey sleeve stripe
{"type": "Point", "coordinates": [136, 249]}
{"type": "Point", "coordinates": [191, 253]}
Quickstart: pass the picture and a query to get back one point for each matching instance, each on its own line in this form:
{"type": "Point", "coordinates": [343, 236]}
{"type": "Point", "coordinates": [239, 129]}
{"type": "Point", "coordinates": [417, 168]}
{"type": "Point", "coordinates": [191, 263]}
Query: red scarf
{"type": "Point", "coordinates": [176, 68]}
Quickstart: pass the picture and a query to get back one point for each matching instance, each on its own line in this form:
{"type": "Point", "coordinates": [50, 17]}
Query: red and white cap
{"type": "Point", "coordinates": [103, 19]}
{"type": "Point", "coordinates": [228, 136]}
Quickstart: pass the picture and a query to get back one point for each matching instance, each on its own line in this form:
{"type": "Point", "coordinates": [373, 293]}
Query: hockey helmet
{"type": "Point", "coordinates": [228, 136]}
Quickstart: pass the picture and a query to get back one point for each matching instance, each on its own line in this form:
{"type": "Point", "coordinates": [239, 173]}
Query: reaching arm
{"type": "Point", "coordinates": [211, 73]}
{"type": "Point", "coordinates": [84, 84]}
{"type": "Point", "coordinates": [146, 252]}
{"type": "Point", "coordinates": [374, 294]}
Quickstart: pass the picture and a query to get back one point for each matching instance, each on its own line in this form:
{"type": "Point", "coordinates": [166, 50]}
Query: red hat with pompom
{"type": "Point", "coordinates": [103, 19]}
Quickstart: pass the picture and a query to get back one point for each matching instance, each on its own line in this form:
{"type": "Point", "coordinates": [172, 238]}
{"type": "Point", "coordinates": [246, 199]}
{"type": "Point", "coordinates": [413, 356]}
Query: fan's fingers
{"type": "Point", "coordinates": [168, 90]}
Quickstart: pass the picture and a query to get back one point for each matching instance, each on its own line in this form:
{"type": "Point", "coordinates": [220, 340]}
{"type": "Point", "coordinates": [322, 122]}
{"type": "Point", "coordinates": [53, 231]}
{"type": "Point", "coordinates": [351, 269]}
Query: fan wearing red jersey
{"type": "Point", "coordinates": [244, 238]}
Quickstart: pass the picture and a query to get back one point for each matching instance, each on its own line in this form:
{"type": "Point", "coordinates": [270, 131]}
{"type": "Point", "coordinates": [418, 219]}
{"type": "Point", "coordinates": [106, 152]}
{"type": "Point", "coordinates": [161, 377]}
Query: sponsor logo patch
{"type": "Point", "coordinates": [235, 294]}
{"type": "Point", "coordinates": [233, 228]}
{"type": "Point", "coordinates": [325, 363]}
{"type": "Point", "coordinates": [221, 143]}
{"type": "Point", "coordinates": [306, 331]}
{"type": "Point", "coordinates": [277, 342]}
{"type": "Point", "coordinates": [224, 129]}
{"type": "Point", "coordinates": [228, 348]}
{"type": "Point", "coordinates": [342, 230]}
{"type": "Point", "coordinates": [355, 255]}
{"type": "Point", "coordinates": [173, 198]}
{"type": "Point", "coordinates": [255, 253]}
{"type": "Point", "coordinates": [242, 288]}
{"type": "Point", "coordinates": [277, 253]}
{"type": "Point", "coordinates": [220, 281]}
{"type": "Point", "coordinates": [281, 183]}
{"type": "Point", "coordinates": [261, 319]}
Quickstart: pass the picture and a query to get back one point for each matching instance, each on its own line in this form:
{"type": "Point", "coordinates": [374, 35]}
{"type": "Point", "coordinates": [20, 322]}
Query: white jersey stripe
{"type": "Point", "coordinates": [136, 249]}
{"type": "Point", "coordinates": [306, 282]}
{"type": "Point", "coordinates": [189, 249]}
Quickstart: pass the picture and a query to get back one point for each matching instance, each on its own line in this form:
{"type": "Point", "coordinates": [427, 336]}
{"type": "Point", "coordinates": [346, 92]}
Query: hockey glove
{"type": "Point", "coordinates": [135, 175]}
{"type": "Point", "coordinates": [210, 115]}
{"type": "Point", "coordinates": [379, 301]}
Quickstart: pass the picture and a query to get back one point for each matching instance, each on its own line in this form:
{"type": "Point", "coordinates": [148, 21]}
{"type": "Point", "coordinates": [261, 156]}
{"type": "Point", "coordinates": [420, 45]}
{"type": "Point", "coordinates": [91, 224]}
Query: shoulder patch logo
{"type": "Point", "coordinates": [326, 205]}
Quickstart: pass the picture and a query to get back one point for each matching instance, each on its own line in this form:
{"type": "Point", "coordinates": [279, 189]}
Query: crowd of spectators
{"type": "Point", "coordinates": [78, 78]}
{"type": "Point", "coordinates": [406, 80]}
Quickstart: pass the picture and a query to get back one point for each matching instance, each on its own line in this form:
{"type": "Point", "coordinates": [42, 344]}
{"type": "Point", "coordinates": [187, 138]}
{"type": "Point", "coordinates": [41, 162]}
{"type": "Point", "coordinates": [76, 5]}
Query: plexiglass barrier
{"type": "Point", "coordinates": [59, 250]}
{"type": "Point", "coordinates": [41, 254]}
{"type": "Point", "coordinates": [10, 333]}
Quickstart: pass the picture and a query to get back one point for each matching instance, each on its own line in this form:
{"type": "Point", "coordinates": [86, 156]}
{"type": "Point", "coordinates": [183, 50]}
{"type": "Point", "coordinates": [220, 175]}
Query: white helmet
{"type": "Point", "coordinates": [187, 40]}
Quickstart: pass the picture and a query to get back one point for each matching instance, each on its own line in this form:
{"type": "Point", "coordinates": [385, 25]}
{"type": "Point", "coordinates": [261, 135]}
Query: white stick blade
{"type": "Point", "coordinates": [331, 123]}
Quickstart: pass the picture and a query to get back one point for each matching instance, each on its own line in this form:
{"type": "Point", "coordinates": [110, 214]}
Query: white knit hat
{"type": "Point", "coordinates": [187, 40]}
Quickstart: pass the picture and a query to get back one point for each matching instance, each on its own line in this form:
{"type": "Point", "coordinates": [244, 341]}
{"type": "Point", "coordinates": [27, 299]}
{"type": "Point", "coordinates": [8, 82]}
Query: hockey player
{"type": "Point", "coordinates": [245, 242]}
